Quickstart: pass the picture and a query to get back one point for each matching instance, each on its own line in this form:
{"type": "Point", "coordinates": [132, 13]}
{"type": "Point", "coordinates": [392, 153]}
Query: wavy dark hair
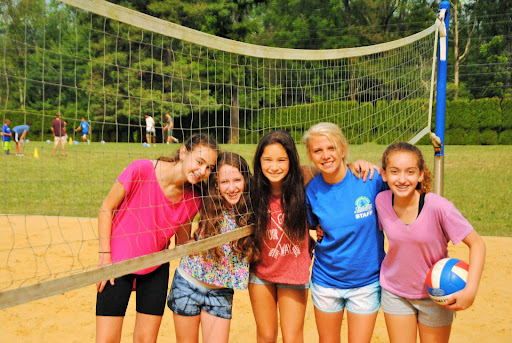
{"type": "Point", "coordinates": [293, 198]}
{"type": "Point", "coordinates": [426, 185]}
{"type": "Point", "coordinates": [196, 140]}
{"type": "Point", "coordinates": [214, 205]}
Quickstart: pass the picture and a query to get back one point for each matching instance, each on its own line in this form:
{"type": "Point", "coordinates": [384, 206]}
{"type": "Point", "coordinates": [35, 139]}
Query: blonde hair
{"type": "Point", "coordinates": [333, 133]}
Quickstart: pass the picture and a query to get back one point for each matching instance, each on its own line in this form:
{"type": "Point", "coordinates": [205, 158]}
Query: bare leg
{"type": "Point", "coordinates": [401, 328]}
{"type": "Point", "coordinates": [292, 309]}
{"type": "Point", "coordinates": [329, 326]}
{"type": "Point", "coordinates": [146, 328]}
{"type": "Point", "coordinates": [264, 308]}
{"type": "Point", "coordinates": [108, 329]}
{"type": "Point", "coordinates": [430, 334]}
{"type": "Point", "coordinates": [214, 329]}
{"type": "Point", "coordinates": [360, 327]}
{"type": "Point", "coordinates": [63, 146]}
{"type": "Point", "coordinates": [186, 328]}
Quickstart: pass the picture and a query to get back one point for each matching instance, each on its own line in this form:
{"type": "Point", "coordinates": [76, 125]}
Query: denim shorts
{"type": "Point", "coordinates": [362, 300]}
{"type": "Point", "coordinates": [258, 281]}
{"type": "Point", "coordinates": [426, 310]}
{"type": "Point", "coordinates": [189, 298]}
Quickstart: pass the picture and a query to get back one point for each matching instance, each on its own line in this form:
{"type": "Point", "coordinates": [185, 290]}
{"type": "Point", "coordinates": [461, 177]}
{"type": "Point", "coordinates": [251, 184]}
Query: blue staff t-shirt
{"type": "Point", "coordinates": [352, 249]}
{"type": "Point", "coordinates": [6, 129]}
{"type": "Point", "coordinates": [85, 127]}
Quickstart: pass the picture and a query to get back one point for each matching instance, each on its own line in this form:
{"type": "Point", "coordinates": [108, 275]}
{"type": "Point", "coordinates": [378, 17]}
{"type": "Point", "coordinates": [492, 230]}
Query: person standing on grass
{"type": "Point", "coordinates": [150, 130]}
{"type": "Point", "coordinates": [84, 126]}
{"type": "Point", "coordinates": [150, 202]}
{"type": "Point", "coordinates": [167, 131]}
{"type": "Point", "coordinates": [346, 268]}
{"type": "Point", "coordinates": [19, 133]}
{"type": "Point", "coordinates": [59, 134]}
{"type": "Point", "coordinates": [6, 137]}
{"type": "Point", "coordinates": [418, 225]}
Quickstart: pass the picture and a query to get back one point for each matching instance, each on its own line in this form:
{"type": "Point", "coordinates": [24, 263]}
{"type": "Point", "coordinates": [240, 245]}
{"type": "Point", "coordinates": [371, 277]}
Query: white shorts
{"type": "Point", "coordinates": [362, 300]}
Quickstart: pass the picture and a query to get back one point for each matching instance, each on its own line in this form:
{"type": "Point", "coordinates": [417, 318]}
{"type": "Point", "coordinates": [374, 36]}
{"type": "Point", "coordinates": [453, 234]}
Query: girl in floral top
{"type": "Point", "coordinates": [202, 289]}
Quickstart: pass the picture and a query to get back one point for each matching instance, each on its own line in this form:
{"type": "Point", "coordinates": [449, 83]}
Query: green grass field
{"type": "Point", "coordinates": [76, 185]}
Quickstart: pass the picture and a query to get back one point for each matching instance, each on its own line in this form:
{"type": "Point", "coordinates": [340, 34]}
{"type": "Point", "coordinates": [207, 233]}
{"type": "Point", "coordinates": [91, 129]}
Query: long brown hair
{"type": "Point", "coordinates": [293, 196]}
{"type": "Point", "coordinates": [214, 206]}
{"type": "Point", "coordinates": [424, 186]}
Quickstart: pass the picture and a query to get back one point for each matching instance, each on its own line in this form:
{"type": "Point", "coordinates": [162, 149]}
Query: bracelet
{"type": "Point", "coordinates": [104, 252]}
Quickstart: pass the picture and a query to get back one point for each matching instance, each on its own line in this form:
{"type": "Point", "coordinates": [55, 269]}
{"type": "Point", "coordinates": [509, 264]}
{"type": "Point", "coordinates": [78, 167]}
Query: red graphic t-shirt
{"type": "Point", "coordinates": [282, 261]}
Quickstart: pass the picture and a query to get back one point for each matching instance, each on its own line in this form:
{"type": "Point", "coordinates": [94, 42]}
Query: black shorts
{"type": "Point", "coordinates": [151, 293]}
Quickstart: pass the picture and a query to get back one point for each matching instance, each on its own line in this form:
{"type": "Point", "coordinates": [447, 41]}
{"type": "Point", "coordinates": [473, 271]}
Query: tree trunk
{"type": "Point", "coordinates": [234, 117]}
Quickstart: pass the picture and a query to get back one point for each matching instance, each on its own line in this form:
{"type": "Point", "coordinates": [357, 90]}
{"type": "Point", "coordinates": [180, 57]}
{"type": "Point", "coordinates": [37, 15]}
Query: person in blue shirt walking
{"type": "Point", "coordinates": [85, 128]}
{"type": "Point", "coordinates": [6, 136]}
{"type": "Point", "coordinates": [346, 268]}
{"type": "Point", "coordinates": [19, 133]}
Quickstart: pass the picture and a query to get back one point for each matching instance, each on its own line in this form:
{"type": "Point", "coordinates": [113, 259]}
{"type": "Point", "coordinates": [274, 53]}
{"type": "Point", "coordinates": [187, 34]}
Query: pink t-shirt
{"type": "Point", "coordinates": [414, 248]}
{"type": "Point", "coordinates": [146, 219]}
{"type": "Point", "coordinates": [282, 261]}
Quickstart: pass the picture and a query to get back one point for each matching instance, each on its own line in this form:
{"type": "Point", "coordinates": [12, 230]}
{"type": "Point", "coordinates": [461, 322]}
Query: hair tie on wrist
{"type": "Point", "coordinates": [104, 252]}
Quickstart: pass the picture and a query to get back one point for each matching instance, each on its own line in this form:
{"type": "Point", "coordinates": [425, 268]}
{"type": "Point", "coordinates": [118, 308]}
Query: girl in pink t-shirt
{"type": "Point", "coordinates": [150, 202]}
{"type": "Point", "coordinates": [280, 278]}
{"type": "Point", "coordinates": [418, 225]}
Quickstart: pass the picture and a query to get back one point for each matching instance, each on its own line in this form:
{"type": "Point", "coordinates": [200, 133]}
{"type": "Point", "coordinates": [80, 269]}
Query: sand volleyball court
{"type": "Point", "coordinates": [70, 317]}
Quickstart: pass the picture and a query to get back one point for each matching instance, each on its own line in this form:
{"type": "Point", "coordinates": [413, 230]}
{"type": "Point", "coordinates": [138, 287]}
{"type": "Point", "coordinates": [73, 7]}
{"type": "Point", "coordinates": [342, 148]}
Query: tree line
{"type": "Point", "coordinates": [118, 73]}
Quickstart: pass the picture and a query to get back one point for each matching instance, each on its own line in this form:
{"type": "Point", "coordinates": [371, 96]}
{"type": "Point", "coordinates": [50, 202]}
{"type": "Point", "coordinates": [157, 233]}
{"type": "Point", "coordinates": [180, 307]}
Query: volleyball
{"type": "Point", "coordinates": [446, 277]}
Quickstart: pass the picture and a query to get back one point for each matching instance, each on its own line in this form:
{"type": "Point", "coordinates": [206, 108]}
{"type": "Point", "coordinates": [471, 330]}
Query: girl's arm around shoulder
{"type": "Point", "coordinates": [363, 169]}
{"type": "Point", "coordinates": [465, 298]}
{"type": "Point", "coordinates": [309, 172]}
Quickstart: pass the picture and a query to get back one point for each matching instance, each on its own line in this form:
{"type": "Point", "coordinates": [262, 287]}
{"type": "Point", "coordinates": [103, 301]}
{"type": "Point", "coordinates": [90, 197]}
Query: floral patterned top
{"type": "Point", "coordinates": [232, 271]}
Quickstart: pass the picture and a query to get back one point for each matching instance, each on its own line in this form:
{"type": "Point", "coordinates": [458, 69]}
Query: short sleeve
{"type": "Point", "coordinates": [312, 218]}
{"type": "Point", "coordinates": [135, 173]}
{"type": "Point", "coordinates": [453, 223]}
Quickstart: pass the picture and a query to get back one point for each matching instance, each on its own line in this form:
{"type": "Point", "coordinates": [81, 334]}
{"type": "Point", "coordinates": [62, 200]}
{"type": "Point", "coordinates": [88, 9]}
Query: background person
{"type": "Point", "coordinates": [84, 126]}
{"type": "Point", "coordinates": [167, 130]}
{"type": "Point", "coordinates": [59, 134]}
{"type": "Point", "coordinates": [150, 130]}
{"type": "Point", "coordinates": [19, 133]}
{"type": "Point", "coordinates": [6, 137]}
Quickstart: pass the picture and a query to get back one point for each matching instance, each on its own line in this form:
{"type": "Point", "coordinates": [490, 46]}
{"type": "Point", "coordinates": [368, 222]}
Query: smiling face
{"type": "Point", "coordinates": [275, 165]}
{"type": "Point", "coordinates": [327, 157]}
{"type": "Point", "coordinates": [402, 173]}
{"type": "Point", "coordinates": [231, 183]}
{"type": "Point", "coordinates": [197, 163]}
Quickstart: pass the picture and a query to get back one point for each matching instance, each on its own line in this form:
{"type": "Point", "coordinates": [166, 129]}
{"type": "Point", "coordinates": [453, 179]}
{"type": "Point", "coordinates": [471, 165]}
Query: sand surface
{"type": "Point", "coordinates": [70, 317]}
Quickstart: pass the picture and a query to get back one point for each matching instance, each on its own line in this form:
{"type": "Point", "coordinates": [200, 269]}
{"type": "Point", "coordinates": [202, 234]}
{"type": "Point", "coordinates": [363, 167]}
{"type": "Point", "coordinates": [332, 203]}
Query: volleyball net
{"type": "Point", "coordinates": [112, 66]}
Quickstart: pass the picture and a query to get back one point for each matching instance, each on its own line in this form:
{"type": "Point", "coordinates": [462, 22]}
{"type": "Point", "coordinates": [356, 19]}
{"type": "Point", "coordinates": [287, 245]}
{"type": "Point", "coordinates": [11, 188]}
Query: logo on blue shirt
{"type": "Point", "coordinates": [364, 207]}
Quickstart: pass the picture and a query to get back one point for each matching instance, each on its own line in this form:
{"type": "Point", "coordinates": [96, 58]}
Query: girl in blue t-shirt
{"type": "Point", "coordinates": [347, 260]}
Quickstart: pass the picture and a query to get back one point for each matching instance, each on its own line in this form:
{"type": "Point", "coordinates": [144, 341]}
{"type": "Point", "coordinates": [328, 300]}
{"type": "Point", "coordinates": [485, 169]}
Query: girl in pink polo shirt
{"type": "Point", "coordinates": [150, 202]}
{"type": "Point", "coordinates": [418, 225]}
